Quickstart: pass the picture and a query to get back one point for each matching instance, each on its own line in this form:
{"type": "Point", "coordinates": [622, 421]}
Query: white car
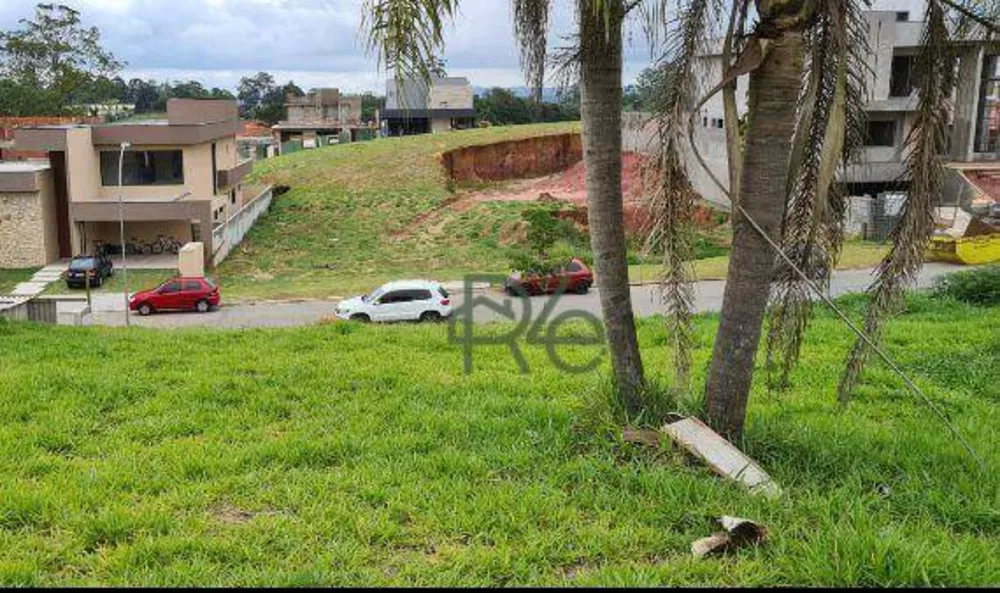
{"type": "Point", "coordinates": [403, 300]}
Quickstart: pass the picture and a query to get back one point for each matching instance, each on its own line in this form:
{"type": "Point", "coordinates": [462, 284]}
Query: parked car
{"type": "Point", "coordinates": [177, 294]}
{"type": "Point", "coordinates": [403, 300]}
{"type": "Point", "coordinates": [575, 274]}
{"type": "Point", "coordinates": [99, 267]}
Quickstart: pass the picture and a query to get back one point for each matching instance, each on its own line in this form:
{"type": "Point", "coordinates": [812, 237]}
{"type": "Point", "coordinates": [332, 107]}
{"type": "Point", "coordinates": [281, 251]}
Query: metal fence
{"type": "Point", "coordinates": [230, 233]}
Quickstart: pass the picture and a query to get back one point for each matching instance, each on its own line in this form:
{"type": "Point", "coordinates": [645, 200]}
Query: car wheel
{"type": "Point", "coordinates": [100, 280]}
{"type": "Point", "coordinates": [430, 316]}
{"type": "Point", "coordinates": [582, 288]}
{"type": "Point", "coordinates": [203, 307]}
{"type": "Point", "coordinates": [361, 318]}
{"type": "Point", "coordinates": [145, 309]}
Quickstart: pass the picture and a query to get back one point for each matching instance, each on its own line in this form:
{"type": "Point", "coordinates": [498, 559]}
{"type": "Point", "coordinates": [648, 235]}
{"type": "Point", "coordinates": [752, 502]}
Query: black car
{"type": "Point", "coordinates": [99, 265]}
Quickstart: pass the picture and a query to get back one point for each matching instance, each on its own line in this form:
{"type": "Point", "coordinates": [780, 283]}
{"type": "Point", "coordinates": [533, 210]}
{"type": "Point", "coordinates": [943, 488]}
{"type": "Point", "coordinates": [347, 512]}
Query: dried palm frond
{"type": "Point", "coordinates": [407, 35]}
{"type": "Point", "coordinates": [925, 142]}
{"type": "Point", "coordinates": [828, 132]}
{"type": "Point", "coordinates": [670, 197]}
{"type": "Point", "coordinates": [531, 28]}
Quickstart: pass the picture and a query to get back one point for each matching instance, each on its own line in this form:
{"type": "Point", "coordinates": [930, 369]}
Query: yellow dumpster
{"type": "Point", "coordinates": [982, 249]}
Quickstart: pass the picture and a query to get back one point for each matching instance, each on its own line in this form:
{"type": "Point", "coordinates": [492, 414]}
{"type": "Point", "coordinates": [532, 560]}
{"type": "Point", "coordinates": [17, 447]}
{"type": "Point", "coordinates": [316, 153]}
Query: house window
{"type": "Point", "coordinates": [704, 122]}
{"type": "Point", "coordinates": [881, 133]}
{"type": "Point", "coordinates": [143, 167]}
{"type": "Point", "coordinates": [902, 17]}
{"type": "Point", "coordinates": [988, 114]}
{"type": "Point", "coordinates": [902, 77]}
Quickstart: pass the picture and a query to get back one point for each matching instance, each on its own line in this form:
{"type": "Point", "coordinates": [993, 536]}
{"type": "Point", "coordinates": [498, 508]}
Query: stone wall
{"type": "Point", "coordinates": [515, 159]}
{"type": "Point", "coordinates": [22, 231]}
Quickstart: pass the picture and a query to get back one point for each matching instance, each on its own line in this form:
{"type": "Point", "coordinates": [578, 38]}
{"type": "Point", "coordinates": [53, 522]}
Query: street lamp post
{"type": "Point", "coordinates": [121, 226]}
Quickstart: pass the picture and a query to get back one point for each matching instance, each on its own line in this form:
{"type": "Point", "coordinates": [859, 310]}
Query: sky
{"type": "Point", "coordinates": [316, 43]}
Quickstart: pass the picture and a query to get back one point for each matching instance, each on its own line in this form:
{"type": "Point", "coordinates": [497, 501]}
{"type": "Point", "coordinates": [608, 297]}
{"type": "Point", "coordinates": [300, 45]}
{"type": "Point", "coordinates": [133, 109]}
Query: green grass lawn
{"type": "Point", "coordinates": [357, 455]}
{"type": "Point", "coordinates": [11, 278]}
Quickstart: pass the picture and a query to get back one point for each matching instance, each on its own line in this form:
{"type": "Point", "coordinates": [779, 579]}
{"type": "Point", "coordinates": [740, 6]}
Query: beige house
{"type": "Point", "coordinates": [319, 118]}
{"type": "Point", "coordinates": [181, 179]}
{"type": "Point", "coordinates": [28, 227]}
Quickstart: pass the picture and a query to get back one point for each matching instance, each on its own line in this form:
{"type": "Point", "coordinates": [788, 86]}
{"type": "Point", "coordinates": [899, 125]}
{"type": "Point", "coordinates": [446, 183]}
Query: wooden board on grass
{"type": "Point", "coordinates": [720, 455]}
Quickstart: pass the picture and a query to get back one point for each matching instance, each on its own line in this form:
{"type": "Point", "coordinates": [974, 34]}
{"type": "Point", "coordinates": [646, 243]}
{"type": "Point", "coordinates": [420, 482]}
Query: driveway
{"type": "Point", "coordinates": [645, 301]}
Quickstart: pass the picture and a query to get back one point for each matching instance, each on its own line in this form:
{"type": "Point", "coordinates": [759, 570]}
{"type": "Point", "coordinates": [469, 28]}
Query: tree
{"type": "Point", "coordinates": [407, 34]}
{"type": "Point", "coordinates": [261, 99]}
{"type": "Point", "coordinates": [807, 67]}
{"type": "Point", "coordinates": [55, 54]}
{"type": "Point", "coordinates": [147, 96]}
{"type": "Point", "coordinates": [251, 92]}
{"type": "Point", "coordinates": [641, 96]}
{"type": "Point", "coordinates": [20, 100]}
{"type": "Point", "coordinates": [370, 103]}
{"type": "Point", "coordinates": [503, 107]}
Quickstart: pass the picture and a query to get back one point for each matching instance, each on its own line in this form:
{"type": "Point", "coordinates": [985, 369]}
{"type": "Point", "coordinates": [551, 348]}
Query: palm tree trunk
{"type": "Point", "coordinates": [774, 89]}
{"type": "Point", "coordinates": [600, 109]}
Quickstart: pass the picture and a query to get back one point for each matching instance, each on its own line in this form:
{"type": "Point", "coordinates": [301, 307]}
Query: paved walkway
{"type": "Point", "coordinates": [42, 278]}
{"type": "Point", "coordinates": [108, 309]}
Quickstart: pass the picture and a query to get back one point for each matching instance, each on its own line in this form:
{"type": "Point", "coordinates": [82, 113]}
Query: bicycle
{"type": "Point", "coordinates": [168, 244]}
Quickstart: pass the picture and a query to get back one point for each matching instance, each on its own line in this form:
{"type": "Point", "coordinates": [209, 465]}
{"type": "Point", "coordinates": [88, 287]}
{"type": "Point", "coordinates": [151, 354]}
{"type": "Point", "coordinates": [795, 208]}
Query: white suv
{"type": "Point", "coordinates": [403, 300]}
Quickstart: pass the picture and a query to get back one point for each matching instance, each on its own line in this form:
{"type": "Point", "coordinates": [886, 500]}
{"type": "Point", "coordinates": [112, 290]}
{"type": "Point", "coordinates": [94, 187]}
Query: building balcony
{"type": "Point", "coordinates": [231, 177]}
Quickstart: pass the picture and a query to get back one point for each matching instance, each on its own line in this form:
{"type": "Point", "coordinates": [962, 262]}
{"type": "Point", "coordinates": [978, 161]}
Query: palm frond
{"type": "Point", "coordinates": [407, 36]}
{"type": "Point", "coordinates": [670, 196]}
{"type": "Point", "coordinates": [531, 26]}
{"type": "Point", "coordinates": [828, 131]}
{"type": "Point", "coordinates": [925, 142]}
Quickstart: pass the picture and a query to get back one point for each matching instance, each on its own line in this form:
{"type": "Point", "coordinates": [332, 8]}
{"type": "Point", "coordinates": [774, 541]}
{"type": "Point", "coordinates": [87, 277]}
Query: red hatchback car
{"type": "Point", "coordinates": [575, 274]}
{"type": "Point", "coordinates": [177, 294]}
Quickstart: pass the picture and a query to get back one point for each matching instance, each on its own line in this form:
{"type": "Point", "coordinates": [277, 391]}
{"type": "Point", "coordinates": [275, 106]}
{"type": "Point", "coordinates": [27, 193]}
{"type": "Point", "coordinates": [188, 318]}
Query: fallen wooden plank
{"type": "Point", "coordinates": [720, 455]}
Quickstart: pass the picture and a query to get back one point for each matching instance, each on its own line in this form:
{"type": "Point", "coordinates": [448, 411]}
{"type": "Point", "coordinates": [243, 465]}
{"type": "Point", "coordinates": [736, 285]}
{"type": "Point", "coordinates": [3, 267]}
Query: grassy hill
{"type": "Point", "coordinates": [361, 214]}
{"type": "Point", "coordinates": [357, 455]}
{"type": "Point", "coordinates": [348, 221]}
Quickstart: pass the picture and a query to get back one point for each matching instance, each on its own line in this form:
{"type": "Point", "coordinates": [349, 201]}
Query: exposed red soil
{"type": "Point", "coordinates": [514, 159]}
{"type": "Point", "coordinates": [569, 185]}
{"type": "Point", "coordinates": [546, 169]}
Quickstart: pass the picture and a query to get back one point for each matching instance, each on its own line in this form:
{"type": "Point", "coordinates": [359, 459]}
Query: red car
{"type": "Point", "coordinates": [181, 293]}
{"type": "Point", "coordinates": [575, 274]}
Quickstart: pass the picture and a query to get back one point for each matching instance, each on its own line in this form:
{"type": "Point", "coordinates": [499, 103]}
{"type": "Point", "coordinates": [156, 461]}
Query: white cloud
{"type": "Point", "coordinates": [313, 42]}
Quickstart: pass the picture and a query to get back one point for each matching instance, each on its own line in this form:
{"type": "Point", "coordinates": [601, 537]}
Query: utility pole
{"type": "Point", "coordinates": [121, 223]}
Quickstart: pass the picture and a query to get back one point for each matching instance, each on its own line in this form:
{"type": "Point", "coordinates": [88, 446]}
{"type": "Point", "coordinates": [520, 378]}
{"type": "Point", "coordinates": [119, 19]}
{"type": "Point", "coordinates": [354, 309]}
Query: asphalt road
{"type": "Point", "coordinates": [645, 302]}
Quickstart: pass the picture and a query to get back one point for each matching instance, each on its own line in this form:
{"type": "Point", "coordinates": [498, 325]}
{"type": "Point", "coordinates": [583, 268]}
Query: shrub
{"type": "Point", "coordinates": [980, 286]}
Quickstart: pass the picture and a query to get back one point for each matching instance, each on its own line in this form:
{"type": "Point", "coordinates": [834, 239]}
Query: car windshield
{"type": "Point", "coordinates": [84, 263]}
{"type": "Point", "coordinates": [368, 298]}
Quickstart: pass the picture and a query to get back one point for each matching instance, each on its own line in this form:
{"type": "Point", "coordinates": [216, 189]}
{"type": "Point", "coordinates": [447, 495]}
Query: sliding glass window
{"type": "Point", "coordinates": [143, 167]}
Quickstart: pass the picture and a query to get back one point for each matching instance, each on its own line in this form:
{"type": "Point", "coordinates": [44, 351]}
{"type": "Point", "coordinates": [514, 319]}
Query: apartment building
{"type": "Point", "coordinates": [321, 117]}
{"type": "Point", "coordinates": [894, 40]}
{"type": "Point", "coordinates": [180, 178]}
{"type": "Point", "coordinates": [413, 107]}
